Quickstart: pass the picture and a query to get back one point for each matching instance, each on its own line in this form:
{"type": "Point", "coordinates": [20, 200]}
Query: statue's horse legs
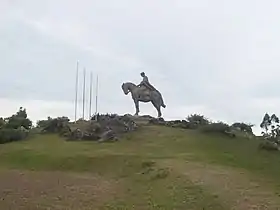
{"type": "Point", "coordinates": [157, 106]}
{"type": "Point", "coordinates": [136, 102]}
{"type": "Point", "coordinates": [144, 95]}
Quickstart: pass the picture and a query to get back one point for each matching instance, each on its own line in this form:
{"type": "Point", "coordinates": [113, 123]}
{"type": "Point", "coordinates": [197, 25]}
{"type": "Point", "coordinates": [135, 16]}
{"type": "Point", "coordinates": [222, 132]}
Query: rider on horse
{"type": "Point", "coordinates": [145, 82]}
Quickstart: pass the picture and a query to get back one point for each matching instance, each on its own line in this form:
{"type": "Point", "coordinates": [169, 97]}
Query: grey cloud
{"type": "Point", "coordinates": [211, 54]}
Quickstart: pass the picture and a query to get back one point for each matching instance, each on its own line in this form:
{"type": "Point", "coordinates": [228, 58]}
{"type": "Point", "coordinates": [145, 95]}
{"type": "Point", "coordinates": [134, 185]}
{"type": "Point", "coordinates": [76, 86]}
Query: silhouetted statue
{"type": "Point", "coordinates": [144, 92]}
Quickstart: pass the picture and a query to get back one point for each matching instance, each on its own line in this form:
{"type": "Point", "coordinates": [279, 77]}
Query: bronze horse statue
{"type": "Point", "coordinates": [145, 95]}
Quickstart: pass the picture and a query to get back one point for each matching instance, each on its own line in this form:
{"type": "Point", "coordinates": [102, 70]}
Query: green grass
{"type": "Point", "coordinates": [136, 162]}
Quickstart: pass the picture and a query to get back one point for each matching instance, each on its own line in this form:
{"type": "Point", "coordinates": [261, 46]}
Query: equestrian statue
{"type": "Point", "coordinates": [144, 92]}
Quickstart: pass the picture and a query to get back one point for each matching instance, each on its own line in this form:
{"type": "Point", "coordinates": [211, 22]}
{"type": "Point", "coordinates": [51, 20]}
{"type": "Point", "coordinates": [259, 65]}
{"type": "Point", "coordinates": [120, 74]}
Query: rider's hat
{"type": "Point", "coordinates": [142, 73]}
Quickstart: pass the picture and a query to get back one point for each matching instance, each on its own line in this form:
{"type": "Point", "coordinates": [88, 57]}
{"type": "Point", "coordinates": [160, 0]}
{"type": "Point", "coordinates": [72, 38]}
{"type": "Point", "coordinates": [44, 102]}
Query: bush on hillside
{"type": "Point", "coordinates": [218, 127]}
{"type": "Point", "coordinates": [268, 145]}
{"type": "Point", "coordinates": [53, 125]}
{"type": "Point", "coordinates": [2, 122]}
{"type": "Point", "coordinates": [15, 128]}
{"type": "Point", "coordinates": [181, 124]}
{"type": "Point", "coordinates": [10, 134]}
{"type": "Point", "coordinates": [243, 127]}
{"type": "Point", "coordinates": [18, 120]}
{"type": "Point", "coordinates": [197, 119]}
{"type": "Point", "coordinates": [157, 121]}
{"type": "Point", "coordinates": [41, 124]}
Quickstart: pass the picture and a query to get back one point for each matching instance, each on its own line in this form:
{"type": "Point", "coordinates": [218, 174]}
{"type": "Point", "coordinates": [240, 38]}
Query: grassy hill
{"type": "Point", "coordinates": [153, 168]}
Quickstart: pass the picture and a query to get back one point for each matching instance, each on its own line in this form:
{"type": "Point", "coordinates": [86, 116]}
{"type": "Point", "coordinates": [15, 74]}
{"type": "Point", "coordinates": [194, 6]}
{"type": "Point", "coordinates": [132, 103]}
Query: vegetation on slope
{"type": "Point", "coordinates": [138, 165]}
{"type": "Point", "coordinates": [15, 127]}
{"type": "Point", "coordinates": [156, 167]}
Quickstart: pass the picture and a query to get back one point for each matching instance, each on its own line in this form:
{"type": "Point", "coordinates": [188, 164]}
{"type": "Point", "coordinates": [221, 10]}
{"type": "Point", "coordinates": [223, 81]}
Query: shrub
{"type": "Point", "coordinates": [193, 125]}
{"type": "Point", "coordinates": [218, 127]}
{"type": "Point", "coordinates": [268, 145]}
{"type": "Point", "coordinates": [197, 119]}
{"type": "Point", "coordinates": [18, 120]}
{"type": "Point", "coordinates": [148, 164]}
{"type": "Point", "coordinates": [10, 134]}
{"type": "Point", "coordinates": [161, 173]}
{"type": "Point", "coordinates": [15, 127]}
{"type": "Point", "coordinates": [65, 131]}
{"type": "Point", "coordinates": [157, 121]}
{"type": "Point", "coordinates": [2, 122]}
{"type": "Point", "coordinates": [54, 125]}
{"type": "Point", "coordinates": [243, 127]}
{"type": "Point", "coordinates": [184, 124]}
{"type": "Point", "coordinates": [148, 167]}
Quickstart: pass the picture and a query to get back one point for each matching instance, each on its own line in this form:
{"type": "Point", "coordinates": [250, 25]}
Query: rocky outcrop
{"type": "Point", "coordinates": [100, 128]}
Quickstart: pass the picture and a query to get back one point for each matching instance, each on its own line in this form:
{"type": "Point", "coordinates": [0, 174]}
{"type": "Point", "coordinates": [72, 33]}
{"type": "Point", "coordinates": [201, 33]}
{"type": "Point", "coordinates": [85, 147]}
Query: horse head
{"type": "Point", "coordinates": [125, 88]}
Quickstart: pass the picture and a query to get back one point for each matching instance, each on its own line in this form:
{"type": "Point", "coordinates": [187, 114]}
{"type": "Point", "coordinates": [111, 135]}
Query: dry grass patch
{"type": "Point", "coordinates": [235, 187]}
{"type": "Point", "coordinates": [22, 190]}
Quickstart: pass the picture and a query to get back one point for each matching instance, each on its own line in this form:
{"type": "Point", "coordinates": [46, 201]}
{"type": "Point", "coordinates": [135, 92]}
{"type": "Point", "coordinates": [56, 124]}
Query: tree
{"type": "Point", "coordinates": [271, 126]}
{"type": "Point", "coordinates": [16, 127]}
{"type": "Point", "coordinates": [18, 120]}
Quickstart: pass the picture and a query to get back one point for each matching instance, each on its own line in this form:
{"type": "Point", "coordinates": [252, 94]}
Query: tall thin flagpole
{"type": "Point", "coordinates": [96, 96]}
{"type": "Point", "coordinates": [90, 95]}
{"type": "Point", "coordinates": [84, 89]}
{"type": "Point", "coordinates": [76, 96]}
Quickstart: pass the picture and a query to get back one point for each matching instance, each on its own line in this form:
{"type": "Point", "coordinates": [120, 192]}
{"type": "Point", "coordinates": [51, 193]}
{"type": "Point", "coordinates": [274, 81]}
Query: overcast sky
{"type": "Point", "coordinates": [214, 57]}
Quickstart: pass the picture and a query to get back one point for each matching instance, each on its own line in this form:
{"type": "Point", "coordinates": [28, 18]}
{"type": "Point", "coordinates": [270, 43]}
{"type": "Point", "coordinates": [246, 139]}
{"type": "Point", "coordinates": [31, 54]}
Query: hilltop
{"type": "Point", "coordinates": [154, 167]}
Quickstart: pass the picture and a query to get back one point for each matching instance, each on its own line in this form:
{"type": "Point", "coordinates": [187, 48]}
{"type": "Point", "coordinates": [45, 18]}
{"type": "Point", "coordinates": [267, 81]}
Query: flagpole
{"type": "Point", "coordinates": [76, 96]}
{"type": "Point", "coordinates": [84, 89]}
{"type": "Point", "coordinates": [96, 95]}
{"type": "Point", "coordinates": [90, 95]}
